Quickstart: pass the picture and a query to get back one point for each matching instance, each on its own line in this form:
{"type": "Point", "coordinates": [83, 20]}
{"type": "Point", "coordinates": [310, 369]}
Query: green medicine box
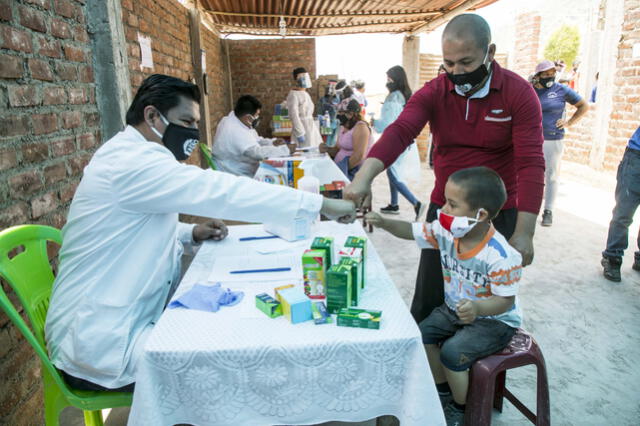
{"type": "Point", "coordinates": [356, 277]}
{"type": "Point", "coordinates": [359, 242]}
{"type": "Point", "coordinates": [326, 244]}
{"type": "Point", "coordinates": [268, 305]}
{"type": "Point", "coordinates": [339, 287]}
{"type": "Point", "coordinates": [361, 318]}
{"type": "Point", "coordinates": [314, 273]}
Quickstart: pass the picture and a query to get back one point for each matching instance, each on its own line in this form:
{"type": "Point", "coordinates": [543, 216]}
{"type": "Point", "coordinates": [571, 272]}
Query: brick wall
{"type": "Point", "coordinates": [217, 78]}
{"type": "Point", "coordinates": [527, 44]}
{"type": "Point", "coordinates": [578, 139]}
{"type": "Point", "coordinates": [263, 68]}
{"type": "Point", "coordinates": [49, 128]}
{"type": "Point", "coordinates": [626, 96]}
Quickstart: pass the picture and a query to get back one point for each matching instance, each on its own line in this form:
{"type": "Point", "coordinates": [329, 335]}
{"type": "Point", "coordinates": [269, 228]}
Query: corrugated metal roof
{"type": "Point", "coordinates": [325, 17]}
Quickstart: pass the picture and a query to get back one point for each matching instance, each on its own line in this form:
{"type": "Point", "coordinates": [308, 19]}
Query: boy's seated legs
{"type": "Point", "coordinates": [452, 347]}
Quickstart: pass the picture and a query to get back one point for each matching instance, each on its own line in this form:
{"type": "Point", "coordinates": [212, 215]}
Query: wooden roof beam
{"type": "Point", "coordinates": [446, 17]}
{"type": "Point", "coordinates": [328, 15]}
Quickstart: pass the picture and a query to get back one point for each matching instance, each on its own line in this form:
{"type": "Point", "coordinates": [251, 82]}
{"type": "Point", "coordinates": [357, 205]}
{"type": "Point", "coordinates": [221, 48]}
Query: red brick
{"type": "Point", "coordinates": [92, 119]}
{"type": "Point", "coordinates": [20, 96]}
{"type": "Point", "coordinates": [15, 214]}
{"type": "Point", "coordinates": [126, 4]}
{"type": "Point", "coordinates": [86, 74]}
{"type": "Point", "coordinates": [64, 8]}
{"type": "Point", "coordinates": [8, 160]}
{"type": "Point", "coordinates": [73, 53]}
{"type": "Point", "coordinates": [40, 70]}
{"type": "Point", "coordinates": [60, 29]}
{"type": "Point", "coordinates": [68, 72]}
{"type": "Point", "coordinates": [5, 13]}
{"type": "Point", "coordinates": [80, 34]}
{"type": "Point", "coordinates": [35, 153]}
{"type": "Point", "coordinates": [33, 19]}
{"type": "Point", "coordinates": [5, 342]}
{"type": "Point", "coordinates": [132, 20]}
{"type": "Point", "coordinates": [25, 183]}
{"type": "Point", "coordinates": [71, 119]}
{"type": "Point", "coordinates": [86, 141]}
{"type": "Point", "coordinates": [44, 123]}
{"type": "Point", "coordinates": [32, 405]}
{"type": "Point", "coordinates": [15, 39]}
{"type": "Point", "coordinates": [49, 48]}
{"type": "Point", "coordinates": [55, 173]}
{"type": "Point", "coordinates": [63, 146]}
{"type": "Point", "coordinates": [67, 193]}
{"type": "Point", "coordinates": [11, 66]}
{"type": "Point", "coordinates": [76, 164]}
{"type": "Point", "coordinates": [14, 125]}
{"type": "Point", "coordinates": [54, 95]}
{"type": "Point", "coordinates": [76, 95]}
{"type": "Point", "coordinates": [45, 4]}
{"type": "Point", "coordinates": [44, 204]}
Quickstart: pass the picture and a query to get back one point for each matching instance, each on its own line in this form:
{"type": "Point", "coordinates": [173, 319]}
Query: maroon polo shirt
{"type": "Point", "coordinates": [502, 131]}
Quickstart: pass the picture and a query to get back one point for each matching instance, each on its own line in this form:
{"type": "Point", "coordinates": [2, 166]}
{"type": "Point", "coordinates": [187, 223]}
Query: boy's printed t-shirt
{"type": "Point", "coordinates": [493, 267]}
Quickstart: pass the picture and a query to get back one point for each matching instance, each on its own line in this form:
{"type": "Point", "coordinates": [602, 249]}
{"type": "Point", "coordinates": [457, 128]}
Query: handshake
{"type": "Point", "coordinates": [342, 211]}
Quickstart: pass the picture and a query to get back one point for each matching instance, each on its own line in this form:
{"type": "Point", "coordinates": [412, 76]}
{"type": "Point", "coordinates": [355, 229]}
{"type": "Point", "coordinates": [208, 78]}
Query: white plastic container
{"type": "Point", "coordinates": [309, 182]}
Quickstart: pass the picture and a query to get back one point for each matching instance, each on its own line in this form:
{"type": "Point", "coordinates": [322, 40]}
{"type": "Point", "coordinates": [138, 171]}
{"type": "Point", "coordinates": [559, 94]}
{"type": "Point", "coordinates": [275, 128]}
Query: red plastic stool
{"type": "Point", "coordinates": [487, 382]}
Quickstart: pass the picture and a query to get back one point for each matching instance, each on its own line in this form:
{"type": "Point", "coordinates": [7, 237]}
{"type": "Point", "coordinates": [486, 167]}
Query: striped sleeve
{"type": "Point", "coordinates": [504, 276]}
{"type": "Point", "coordinates": [424, 235]}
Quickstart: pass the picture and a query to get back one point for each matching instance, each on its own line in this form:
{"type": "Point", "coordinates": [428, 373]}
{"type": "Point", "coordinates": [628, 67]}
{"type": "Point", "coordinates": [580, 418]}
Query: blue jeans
{"type": "Point", "coordinates": [344, 168]}
{"type": "Point", "coordinates": [397, 186]}
{"type": "Point", "coordinates": [627, 201]}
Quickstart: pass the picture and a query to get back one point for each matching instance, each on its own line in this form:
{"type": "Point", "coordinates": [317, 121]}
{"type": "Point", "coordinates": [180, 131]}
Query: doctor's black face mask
{"type": "Point", "coordinates": [180, 140]}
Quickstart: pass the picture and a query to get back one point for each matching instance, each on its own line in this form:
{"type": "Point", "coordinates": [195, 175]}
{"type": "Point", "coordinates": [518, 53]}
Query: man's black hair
{"type": "Point", "coordinates": [247, 104]}
{"type": "Point", "coordinates": [297, 71]}
{"type": "Point", "coordinates": [161, 91]}
{"type": "Point", "coordinates": [483, 188]}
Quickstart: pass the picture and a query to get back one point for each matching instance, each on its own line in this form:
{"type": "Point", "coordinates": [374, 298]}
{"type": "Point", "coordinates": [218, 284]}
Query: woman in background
{"type": "Point", "coordinates": [305, 132]}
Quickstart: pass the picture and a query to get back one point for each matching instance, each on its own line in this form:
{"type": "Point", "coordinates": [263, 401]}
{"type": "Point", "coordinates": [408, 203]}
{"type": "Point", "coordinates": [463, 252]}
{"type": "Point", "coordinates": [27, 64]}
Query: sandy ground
{"type": "Point", "coordinates": [588, 328]}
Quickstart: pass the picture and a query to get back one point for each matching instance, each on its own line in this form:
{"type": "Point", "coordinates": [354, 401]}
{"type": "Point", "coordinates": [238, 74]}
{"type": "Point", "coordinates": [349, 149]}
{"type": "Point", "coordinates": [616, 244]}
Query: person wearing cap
{"type": "Point", "coordinates": [354, 139]}
{"type": "Point", "coordinates": [305, 132]}
{"type": "Point", "coordinates": [553, 99]}
{"type": "Point", "coordinates": [480, 115]}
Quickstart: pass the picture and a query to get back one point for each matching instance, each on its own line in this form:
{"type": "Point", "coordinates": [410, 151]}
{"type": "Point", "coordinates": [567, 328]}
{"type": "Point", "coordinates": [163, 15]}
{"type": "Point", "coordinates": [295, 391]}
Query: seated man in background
{"type": "Point", "coordinates": [237, 147]}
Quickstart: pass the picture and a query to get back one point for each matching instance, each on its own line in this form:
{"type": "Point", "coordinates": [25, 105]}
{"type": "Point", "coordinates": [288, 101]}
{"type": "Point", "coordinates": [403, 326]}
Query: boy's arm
{"type": "Point", "coordinates": [399, 228]}
{"type": "Point", "coordinates": [468, 310]}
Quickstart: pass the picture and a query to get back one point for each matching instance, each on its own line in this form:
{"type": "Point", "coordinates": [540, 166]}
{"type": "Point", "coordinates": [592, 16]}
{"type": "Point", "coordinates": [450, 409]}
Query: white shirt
{"type": "Point", "coordinates": [301, 108]}
{"type": "Point", "coordinates": [238, 149]}
{"type": "Point", "coordinates": [122, 245]}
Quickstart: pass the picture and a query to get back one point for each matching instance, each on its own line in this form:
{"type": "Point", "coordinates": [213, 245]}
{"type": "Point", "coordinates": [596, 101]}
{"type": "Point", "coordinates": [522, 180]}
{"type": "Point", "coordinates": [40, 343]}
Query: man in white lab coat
{"type": "Point", "coordinates": [237, 147]}
{"type": "Point", "coordinates": [122, 242]}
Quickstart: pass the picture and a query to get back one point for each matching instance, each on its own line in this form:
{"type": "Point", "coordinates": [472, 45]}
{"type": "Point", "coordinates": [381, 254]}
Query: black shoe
{"type": "Point", "coordinates": [611, 267]}
{"type": "Point", "coordinates": [453, 415]}
{"type": "Point", "coordinates": [636, 265]}
{"type": "Point", "coordinates": [419, 208]}
{"type": "Point", "coordinates": [547, 218]}
{"type": "Point", "coordinates": [390, 209]}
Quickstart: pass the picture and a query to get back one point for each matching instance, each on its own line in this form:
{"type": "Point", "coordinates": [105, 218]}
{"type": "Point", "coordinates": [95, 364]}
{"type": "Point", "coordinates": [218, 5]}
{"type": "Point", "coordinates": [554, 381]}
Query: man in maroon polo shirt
{"type": "Point", "coordinates": [480, 115]}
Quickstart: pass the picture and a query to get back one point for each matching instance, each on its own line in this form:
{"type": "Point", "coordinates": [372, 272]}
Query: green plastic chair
{"type": "Point", "coordinates": [208, 156]}
{"type": "Point", "coordinates": [29, 274]}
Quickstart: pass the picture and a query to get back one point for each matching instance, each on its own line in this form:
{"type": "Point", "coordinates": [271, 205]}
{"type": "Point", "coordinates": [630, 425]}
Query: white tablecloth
{"type": "Point", "coordinates": [238, 367]}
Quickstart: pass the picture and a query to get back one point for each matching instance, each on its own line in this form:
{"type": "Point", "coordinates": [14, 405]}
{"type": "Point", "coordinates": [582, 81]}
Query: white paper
{"type": "Point", "coordinates": [146, 60]}
{"type": "Point", "coordinates": [223, 266]}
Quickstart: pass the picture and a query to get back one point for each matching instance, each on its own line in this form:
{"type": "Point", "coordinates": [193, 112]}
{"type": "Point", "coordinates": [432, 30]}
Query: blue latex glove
{"type": "Point", "coordinates": [300, 139]}
{"type": "Point", "coordinates": [207, 298]}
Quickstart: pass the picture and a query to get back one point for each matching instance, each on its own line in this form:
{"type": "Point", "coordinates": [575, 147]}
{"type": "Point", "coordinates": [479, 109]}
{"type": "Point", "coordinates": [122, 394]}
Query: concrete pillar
{"type": "Point", "coordinates": [411, 60]}
{"type": "Point", "coordinates": [110, 64]}
{"type": "Point", "coordinates": [614, 15]}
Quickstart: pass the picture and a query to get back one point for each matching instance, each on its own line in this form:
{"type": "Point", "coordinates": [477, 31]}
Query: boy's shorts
{"type": "Point", "coordinates": [462, 344]}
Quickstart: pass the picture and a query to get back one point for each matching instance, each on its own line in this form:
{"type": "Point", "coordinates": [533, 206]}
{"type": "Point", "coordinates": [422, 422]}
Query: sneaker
{"type": "Point", "coordinates": [419, 208]}
{"type": "Point", "coordinates": [611, 267]}
{"type": "Point", "coordinates": [453, 415]}
{"type": "Point", "coordinates": [390, 209]}
{"type": "Point", "coordinates": [547, 218]}
{"type": "Point", "coordinates": [445, 398]}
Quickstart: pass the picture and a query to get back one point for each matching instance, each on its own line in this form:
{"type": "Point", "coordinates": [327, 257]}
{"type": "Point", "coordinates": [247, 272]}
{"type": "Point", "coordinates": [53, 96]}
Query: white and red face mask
{"type": "Point", "coordinates": [459, 226]}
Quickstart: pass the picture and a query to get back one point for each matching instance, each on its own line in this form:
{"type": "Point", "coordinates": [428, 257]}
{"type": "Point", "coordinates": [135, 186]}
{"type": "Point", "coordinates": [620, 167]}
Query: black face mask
{"type": "Point", "coordinates": [255, 122]}
{"type": "Point", "coordinates": [342, 119]}
{"type": "Point", "coordinates": [467, 81]}
{"type": "Point", "coordinates": [180, 140]}
{"type": "Point", "coordinates": [391, 86]}
{"type": "Point", "coordinates": [546, 82]}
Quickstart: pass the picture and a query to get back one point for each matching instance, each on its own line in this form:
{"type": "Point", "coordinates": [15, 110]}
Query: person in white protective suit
{"type": "Point", "coordinates": [305, 131]}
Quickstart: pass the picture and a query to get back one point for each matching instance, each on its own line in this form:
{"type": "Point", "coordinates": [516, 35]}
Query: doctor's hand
{"type": "Point", "coordinates": [213, 229]}
{"type": "Point", "coordinates": [279, 141]}
{"type": "Point", "coordinates": [292, 147]}
{"type": "Point", "coordinates": [343, 211]}
{"type": "Point", "coordinates": [358, 191]}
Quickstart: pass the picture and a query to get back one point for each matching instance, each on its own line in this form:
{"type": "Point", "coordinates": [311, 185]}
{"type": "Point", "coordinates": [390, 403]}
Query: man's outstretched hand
{"type": "Point", "coordinates": [213, 229]}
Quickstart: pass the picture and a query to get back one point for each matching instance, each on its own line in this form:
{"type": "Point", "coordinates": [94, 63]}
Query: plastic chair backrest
{"type": "Point", "coordinates": [208, 156]}
{"type": "Point", "coordinates": [29, 274]}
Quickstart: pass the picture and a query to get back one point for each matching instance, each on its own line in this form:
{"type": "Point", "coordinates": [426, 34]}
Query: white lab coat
{"type": "Point", "coordinates": [300, 108]}
{"type": "Point", "coordinates": [238, 149]}
{"type": "Point", "coordinates": [122, 245]}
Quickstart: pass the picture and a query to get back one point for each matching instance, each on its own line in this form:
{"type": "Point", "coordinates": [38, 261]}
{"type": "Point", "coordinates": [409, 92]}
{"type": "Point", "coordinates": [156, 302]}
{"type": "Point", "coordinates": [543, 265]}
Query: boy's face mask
{"type": "Point", "coordinates": [304, 80]}
{"type": "Point", "coordinates": [180, 140]}
{"type": "Point", "coordinates": [459, 226]}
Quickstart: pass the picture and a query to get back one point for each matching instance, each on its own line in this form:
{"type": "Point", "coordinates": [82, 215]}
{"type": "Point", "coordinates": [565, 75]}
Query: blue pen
{"type": "Point", "coordinates": [266, 237]}
{"type": "Point", "coordinates": [254, 271]}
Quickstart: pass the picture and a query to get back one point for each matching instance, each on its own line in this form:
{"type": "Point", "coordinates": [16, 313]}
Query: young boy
{"type": "Point", "coordinates": [481, 277]}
